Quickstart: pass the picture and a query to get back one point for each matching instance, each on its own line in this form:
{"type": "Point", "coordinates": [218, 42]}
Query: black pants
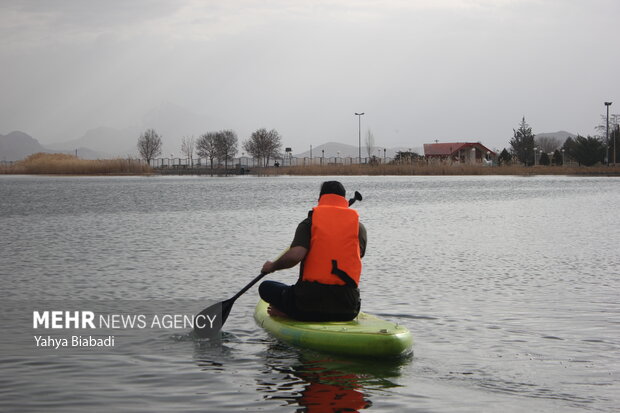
{"type": "Point", "coordinates": [278, 295]}
{"type": "Point", "coordinates": [282, 297]}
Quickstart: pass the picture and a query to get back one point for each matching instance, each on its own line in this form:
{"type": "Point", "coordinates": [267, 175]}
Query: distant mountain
{"type": "Point", "coordinates": [18, 145]}
{"type": "Point", "coordinates": [170, 121]}
{"type": "Point", "coordinates": [561, 135]}
{"type": "Point", "coordinates": [333, 149]}
{"type": "Point", "coordinates": [102, 142]}
{"type": "Point", "coordinates": [173, 122]}
{"type": "Point", "coordinates": [87, 153]}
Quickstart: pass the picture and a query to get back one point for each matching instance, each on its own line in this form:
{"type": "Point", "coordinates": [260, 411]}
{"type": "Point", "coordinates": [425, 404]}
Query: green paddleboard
{"type": "Point", "coordinates": [367, 335]}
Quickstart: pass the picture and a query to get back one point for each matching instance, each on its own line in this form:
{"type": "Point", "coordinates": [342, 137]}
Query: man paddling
{"type": "Point", "coordinates": [329, 243]}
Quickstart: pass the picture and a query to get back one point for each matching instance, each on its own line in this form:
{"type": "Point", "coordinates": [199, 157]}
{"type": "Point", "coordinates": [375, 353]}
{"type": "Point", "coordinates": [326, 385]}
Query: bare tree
{"type": "Point", "coordinates": [548, 144]}
{"type": "Point", "coordinates": [206, 147]}
{"type": "Point", "coordinates": [370, 143]}
{"type": "Point", "coordinates": [187, 148]}
{"type": "Point", "coordinates": [149, 145]}
{"type": "Point", "coordinates": [226, 145]}
{"type": "Point", "coordinates": [614, 120]}
{"type": "Point", "coordinates": [263, 145]}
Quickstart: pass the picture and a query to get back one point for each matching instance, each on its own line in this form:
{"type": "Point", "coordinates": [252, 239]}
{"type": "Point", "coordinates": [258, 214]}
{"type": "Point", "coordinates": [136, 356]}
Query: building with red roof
{"type": "Point", "coordinates": [463, 152]}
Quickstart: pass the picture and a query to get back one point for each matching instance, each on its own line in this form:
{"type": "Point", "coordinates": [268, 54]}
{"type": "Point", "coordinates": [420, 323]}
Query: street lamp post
{"type": "Point", "coordinates": [359, 132]}
{"type": "Point", "coordinates": [607, 105]}
{"type": "Point", "coordinates": [563, 160]}
{"type": "Point", "coordinates": [535, 149]}
{"type": "Point", "coordinates": [615, 140]}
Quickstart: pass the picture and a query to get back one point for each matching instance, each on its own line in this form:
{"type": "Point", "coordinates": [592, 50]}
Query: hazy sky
{"type": "Point", "coordinates": [420, 70]}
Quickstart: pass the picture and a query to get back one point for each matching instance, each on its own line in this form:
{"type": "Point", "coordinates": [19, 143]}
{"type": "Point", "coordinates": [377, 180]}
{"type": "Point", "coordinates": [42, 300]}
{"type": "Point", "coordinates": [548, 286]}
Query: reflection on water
{"type": "Point", "coordinates": [325, 383]}
{"type": "Point", "coordinates": [210, 354]}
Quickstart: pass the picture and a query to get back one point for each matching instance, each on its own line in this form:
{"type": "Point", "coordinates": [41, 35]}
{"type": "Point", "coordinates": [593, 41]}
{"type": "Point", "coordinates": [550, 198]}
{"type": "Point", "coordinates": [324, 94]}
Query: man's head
{"type": "Point", "coordinates": [332, 187]}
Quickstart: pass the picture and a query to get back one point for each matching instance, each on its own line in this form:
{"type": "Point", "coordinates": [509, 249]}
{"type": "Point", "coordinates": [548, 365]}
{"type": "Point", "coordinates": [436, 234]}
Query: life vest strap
{"type": "Point", "coordinates": [349, 282]}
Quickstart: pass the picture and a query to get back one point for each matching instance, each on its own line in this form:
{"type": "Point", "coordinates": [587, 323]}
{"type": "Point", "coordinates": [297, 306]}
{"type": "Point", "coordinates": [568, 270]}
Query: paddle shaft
{"type": "Point", "coordinates": [254, 281]}
{"type": "Point", "coordinates": [247, 287]}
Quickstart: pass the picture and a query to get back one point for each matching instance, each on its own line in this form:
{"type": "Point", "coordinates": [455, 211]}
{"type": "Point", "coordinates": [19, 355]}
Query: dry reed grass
{"type": "Point", "coordinates": [63, 164]}
{"type": "Point", "coordinates": [438, 169]}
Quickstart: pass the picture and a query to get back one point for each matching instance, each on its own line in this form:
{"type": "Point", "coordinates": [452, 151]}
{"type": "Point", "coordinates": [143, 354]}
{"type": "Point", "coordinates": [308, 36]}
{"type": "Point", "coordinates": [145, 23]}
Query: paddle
{"type": "Point", "coordinates": [210, 320]}
{"type": "Point", "coordinates": [356, 197]}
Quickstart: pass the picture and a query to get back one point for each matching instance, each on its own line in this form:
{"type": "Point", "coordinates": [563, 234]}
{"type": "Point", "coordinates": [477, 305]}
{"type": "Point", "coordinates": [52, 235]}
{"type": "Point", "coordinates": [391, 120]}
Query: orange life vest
{"type": "Point", "coordinates": [334, 256]}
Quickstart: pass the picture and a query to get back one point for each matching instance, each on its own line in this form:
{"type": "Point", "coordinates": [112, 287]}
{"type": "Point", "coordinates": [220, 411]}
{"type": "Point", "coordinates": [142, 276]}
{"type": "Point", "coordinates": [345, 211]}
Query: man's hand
{"type": "Point", "coordinates": [268, 267]}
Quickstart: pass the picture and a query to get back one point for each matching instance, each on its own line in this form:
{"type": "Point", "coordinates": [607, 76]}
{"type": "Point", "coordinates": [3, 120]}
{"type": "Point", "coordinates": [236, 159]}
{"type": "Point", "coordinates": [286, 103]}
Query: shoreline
{"type": "Point", "coordinates": [69, 165]}
{"type": "Point", "coordinates": [441, 170]}
{"type": "Point", "coordinates": [360, 170]}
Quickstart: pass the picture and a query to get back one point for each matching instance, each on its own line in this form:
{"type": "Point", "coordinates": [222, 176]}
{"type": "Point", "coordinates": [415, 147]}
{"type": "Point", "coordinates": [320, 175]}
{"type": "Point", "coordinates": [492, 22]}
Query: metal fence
{"type": "Point", "coordinates": [248, 162]}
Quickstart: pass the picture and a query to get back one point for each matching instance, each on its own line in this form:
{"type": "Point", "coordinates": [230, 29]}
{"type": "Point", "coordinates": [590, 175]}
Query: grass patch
{"type": "Point", "coordinates": [63, 164]}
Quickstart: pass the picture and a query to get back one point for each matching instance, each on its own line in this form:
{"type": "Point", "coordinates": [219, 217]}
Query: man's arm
{"type": "Point", "coordinates": [296, 252]}
{"type": "Point", "coordinates": [363, 240]}
{"type": "Point", "coordinates": [289, 259]}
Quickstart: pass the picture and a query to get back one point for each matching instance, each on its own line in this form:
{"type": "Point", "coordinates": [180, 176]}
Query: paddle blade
{"type": "Point", "coordinates": [356, 197]}
{"type": "Point", "coordinates": [209, 321]}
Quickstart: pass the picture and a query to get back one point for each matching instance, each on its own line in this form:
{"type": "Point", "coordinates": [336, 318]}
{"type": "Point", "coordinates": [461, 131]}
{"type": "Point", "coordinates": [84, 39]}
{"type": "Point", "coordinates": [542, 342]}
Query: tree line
{"type": "Point", "coordinates": [221, 145]}
{"type": "Point", "coordinates": [585, 150]}
{"type": "Point", "coordinates": [265, 145]}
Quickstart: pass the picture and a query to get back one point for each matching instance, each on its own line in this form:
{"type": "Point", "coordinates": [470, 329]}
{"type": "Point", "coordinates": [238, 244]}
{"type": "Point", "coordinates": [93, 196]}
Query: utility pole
{"type": "Point", "coordinates": [608, 104]}
{"type": "Point", "coordinates": [359, 118]}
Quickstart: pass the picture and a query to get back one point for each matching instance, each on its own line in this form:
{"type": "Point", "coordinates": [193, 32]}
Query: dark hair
{"type": "Point", "coordinates": [332, 187]}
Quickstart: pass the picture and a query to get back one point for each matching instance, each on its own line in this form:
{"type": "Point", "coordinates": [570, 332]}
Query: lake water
{"type": "Point", "coordinates": [510, 286]}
